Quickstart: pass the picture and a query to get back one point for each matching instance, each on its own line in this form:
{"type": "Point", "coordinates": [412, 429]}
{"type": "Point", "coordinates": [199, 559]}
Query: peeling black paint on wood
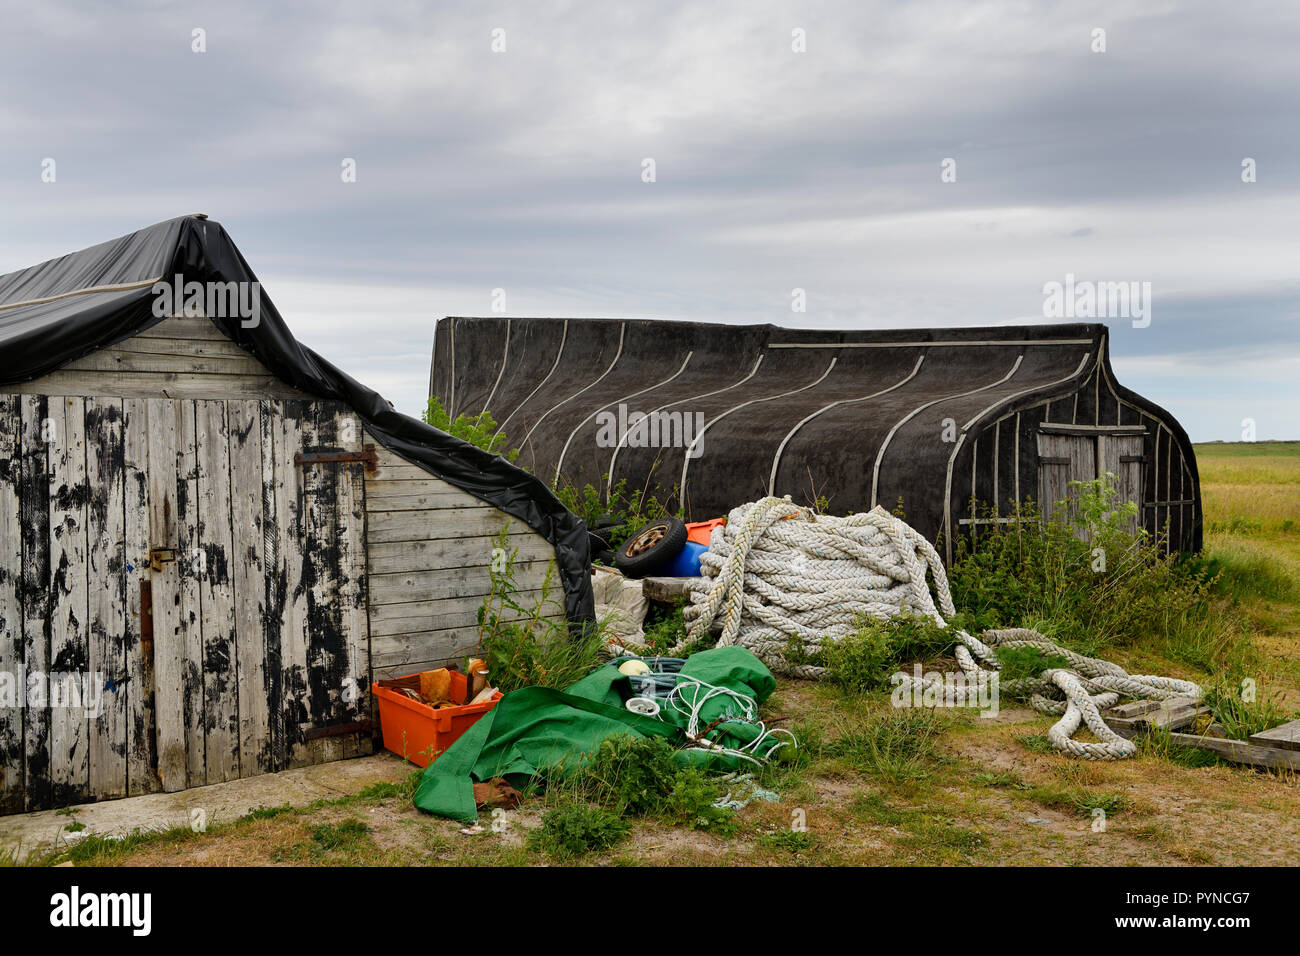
{"type": "Point", "coordinates": [274, 529]}
{"type": "Point", "coordinates": [107, 598]}
{"type": "Point", "coordinates": [34, 594]}
{"type": "Point", "coordinates": [142, 750]}
{"type": "Point", "coordinates": [322, 570]}
{"type": "Point", "coordinates": [310, 521]}
{"type": "Point", "coordinates": [11, 621]}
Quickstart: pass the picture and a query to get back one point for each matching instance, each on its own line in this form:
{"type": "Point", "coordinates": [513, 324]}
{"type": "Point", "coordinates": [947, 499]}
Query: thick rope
{"type": "Point", "coordinates": [777, 574]}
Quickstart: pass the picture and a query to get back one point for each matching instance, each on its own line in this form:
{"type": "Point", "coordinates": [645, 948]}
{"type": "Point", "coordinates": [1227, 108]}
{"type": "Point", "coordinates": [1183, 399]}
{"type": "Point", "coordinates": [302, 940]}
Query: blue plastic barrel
{"type": "Point", "coordinates": [686, 564]}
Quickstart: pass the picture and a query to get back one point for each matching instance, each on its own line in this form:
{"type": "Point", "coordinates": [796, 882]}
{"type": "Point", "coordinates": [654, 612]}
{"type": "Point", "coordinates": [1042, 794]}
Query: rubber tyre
{"type": "Point", "coordinates": [638, 557]}
{"type": "Point", "coordinates": [600, 538]}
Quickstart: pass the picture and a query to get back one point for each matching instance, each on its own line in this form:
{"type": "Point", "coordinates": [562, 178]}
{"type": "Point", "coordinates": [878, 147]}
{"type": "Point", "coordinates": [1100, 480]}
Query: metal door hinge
{"type": "Point", "coordinates": [157, 556]}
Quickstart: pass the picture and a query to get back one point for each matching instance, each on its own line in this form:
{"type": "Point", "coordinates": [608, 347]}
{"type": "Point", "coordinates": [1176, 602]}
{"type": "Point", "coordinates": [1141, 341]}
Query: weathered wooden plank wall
{"type": "Point", "coordinates": [430, 551]}
{"type": "Point", "coordinates": [220, 679]}
{"type": "Point", "coordinates": [141, 729]}
{"type": "Point", "coordinates": [187, 571]}
{"type": "Point", "coordinates": [177, 358]}
{"type": "Point", "coordinates": [334, 571]}
{"type": "Point", "coordinates": [251, 524]}
{"type": "Point", "coordinates": [169, 619]}
{"type": "Point", "coordinates": [107, 582]}
{"type": "Point", "coordinates": [69, 746]}
{"type": "Point", "coordinates": [11, 624]}
{"type": "Point", "coordinates": [289, 611]}
{"type": "Point", "coordinates": [34, 592]}
{"type": "Point", "coordinates": [281, 586]}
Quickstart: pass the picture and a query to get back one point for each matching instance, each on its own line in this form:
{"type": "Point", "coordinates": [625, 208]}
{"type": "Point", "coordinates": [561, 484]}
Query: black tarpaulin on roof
{"type": "Point", "coordinates": [60, 310]}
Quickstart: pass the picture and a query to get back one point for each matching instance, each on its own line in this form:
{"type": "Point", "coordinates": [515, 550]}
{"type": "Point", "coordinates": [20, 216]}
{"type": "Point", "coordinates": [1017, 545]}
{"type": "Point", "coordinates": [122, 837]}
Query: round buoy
{"type": "Point", "coordinates": [634, 668]}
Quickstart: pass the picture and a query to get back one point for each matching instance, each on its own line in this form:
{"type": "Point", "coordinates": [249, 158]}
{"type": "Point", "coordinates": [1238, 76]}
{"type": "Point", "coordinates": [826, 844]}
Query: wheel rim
{"type": "Point", "coordinates": [646, 540]}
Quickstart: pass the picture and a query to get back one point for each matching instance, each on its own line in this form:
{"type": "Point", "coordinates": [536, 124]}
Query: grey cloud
{"type": "Point", "coordinates": [775, 169]}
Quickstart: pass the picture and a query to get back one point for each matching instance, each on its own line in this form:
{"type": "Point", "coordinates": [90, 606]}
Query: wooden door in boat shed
{"type": "Point", "coordinates": [1065, 458]}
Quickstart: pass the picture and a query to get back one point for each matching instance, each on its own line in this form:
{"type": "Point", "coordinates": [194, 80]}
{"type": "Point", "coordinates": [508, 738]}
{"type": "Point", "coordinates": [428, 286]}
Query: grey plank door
{"type": "Point", "coordinates": [260, 633]}
{"type": "Point", "coordinates": [1061, 460]}
{"type": "Point", "coordinates": [1066, 458]}
{"type": "Point", "coordinates": [202, 569]}
{"type": "Point", "coordinates": [1122, 456]}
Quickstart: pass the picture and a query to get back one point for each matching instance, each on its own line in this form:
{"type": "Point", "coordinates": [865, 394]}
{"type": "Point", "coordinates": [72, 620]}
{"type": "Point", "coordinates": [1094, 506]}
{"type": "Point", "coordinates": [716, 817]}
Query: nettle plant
{"type": "Point", "coordinates": [524, 638]}
{"type": "Point", "coordinates": [619, 514]}
{"type": "Point", "coordinates": [1099, 517]}
{"type": "Point", "coordinates": [1089, 576]}
{"type": "Point", "coordinates": [479, 430]}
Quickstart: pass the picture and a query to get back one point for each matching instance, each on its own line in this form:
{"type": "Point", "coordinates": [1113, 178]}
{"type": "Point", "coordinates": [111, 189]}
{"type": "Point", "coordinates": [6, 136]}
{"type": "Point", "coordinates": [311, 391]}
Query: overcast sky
{"type": "Point", "coordinates": [774, 169]}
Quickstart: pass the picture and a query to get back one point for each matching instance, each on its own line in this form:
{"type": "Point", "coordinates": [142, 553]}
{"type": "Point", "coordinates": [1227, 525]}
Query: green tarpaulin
{"type": "Point", "coordinates": [535, 729]}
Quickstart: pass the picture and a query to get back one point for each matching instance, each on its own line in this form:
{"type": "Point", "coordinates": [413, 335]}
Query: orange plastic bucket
{"type": "Point", "coordinates": [419, 732]}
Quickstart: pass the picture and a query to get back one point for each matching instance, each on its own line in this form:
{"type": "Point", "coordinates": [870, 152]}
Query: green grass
{"type": "Point", "coordinates": [791, 841]}
{"type": "Point", "coordinates": [1078, 800]}
{"type": "Point", "coordinates": [268, 813]}
{"type": "Point", "coordinates": [1037, 743]}
{"type": "Point", "coordinates": [345, 842]}
{"type": "Point", "coordinates": [339, 836]}
{"type": "Point", "coordinates": [575, 829]}
{"type": "Point", "coordinates": [899, 745]}
{"type": "Point", "coordinates": [98, 850]}
{"type": "Point", "coordinates": [1158, 743]}
{"type": "Point", "coordinates": [999, 780]}
{"type": "Point", "coordinates": [1240, 717]}
{"type": "Point", "coordinates": [930, 835]}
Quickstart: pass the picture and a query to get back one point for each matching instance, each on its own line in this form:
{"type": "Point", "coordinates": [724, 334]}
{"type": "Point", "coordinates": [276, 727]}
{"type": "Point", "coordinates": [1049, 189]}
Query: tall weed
{"type": "Point", "coordinates": [531, 644]}
{"type": "Point", "coordinates": [1095, 582]}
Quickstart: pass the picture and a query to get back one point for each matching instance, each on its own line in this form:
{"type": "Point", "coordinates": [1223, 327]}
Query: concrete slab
{"type": "Point", "coordinates": [667, 590]}
{"type": "Point", "coordinates": [220, 803]}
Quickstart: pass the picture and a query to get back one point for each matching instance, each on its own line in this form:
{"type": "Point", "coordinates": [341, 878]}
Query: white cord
{"type": "Point", "coordinates": [748, 714]}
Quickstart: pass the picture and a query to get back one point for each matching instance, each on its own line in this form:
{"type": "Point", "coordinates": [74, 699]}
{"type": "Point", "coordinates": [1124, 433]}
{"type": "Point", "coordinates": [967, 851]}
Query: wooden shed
{"type": "Point", "coordinates": [211, 539]}
{"type": "Point", "coordinates": [936, 418]}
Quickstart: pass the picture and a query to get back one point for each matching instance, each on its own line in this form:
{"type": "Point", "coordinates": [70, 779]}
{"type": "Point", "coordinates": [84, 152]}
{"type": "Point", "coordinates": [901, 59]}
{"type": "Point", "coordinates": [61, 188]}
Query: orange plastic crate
{"type": "Point", "coordinates": [699, 531]}
{"type": "Point", "coordinates": [419, 732]}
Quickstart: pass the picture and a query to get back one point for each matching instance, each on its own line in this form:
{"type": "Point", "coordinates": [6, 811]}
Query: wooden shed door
{"type": "Point", "coordinates": [196, 592]}
{"type": "Point", "coordinates": [1066, 458]}
{"type": "Point", "coordinates": [257, 580]}
{"type": "Point", "coordinates": [1061, 460]}
{"type": "Point", "coordinates": [1122, 456]}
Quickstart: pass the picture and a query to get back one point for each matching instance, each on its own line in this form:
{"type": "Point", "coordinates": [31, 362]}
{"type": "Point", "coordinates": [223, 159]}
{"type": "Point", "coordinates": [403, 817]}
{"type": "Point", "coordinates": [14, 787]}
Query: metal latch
{"type": "Point", "coordinates": [366, 456]}
{"type": "Point", "coordinates": [158, 555]}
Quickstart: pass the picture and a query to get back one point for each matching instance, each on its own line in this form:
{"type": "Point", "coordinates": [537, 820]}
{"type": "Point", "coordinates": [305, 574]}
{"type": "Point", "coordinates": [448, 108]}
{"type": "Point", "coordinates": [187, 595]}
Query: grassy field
{"type": "Point", "coordinates": [880, 786]}
{"type": "Point", "coordinates": [1251, 494]}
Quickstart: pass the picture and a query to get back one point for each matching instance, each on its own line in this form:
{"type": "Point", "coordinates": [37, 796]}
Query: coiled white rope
{"type": "Point", "coordinates": [778, 574]}
{"type": "Point", "coordinates": [690, 694]}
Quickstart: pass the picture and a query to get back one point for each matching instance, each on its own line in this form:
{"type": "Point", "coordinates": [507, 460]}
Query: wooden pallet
{"type": "Point", "coordinates": [1144, 716]}
{"type": "Point", "coordinates": [1278, 748]}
